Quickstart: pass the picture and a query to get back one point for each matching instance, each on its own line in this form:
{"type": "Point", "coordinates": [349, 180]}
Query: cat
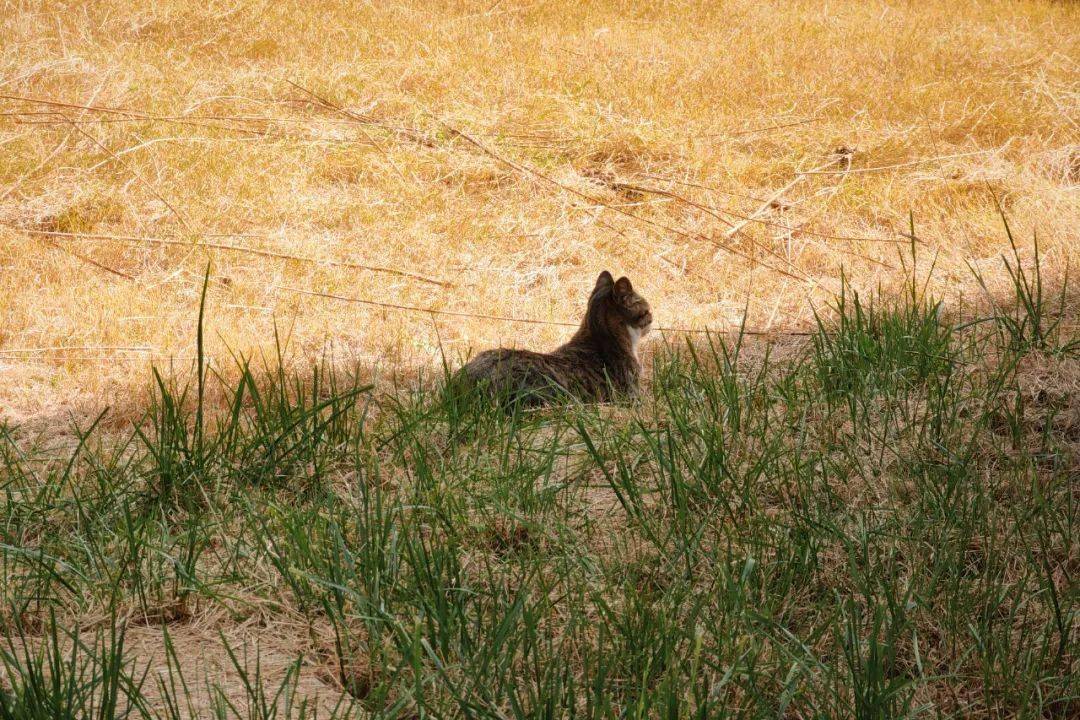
{"type": "Point", "coordinates": [599, 362]}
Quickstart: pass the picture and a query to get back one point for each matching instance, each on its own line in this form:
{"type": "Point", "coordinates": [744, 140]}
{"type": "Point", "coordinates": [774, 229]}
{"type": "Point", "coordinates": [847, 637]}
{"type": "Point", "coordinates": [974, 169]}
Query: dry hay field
{"type": "Point", "coordinates": [239, 241]}
{"type": "Point", "coordinates": [508, 152]}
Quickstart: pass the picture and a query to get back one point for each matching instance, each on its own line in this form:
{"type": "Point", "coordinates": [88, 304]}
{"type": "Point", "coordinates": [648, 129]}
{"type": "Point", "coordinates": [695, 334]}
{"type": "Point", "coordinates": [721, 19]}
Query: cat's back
{"type": "Point", "coordinates": [504, 362]}
{"type": "Point", "coordinates": [511, 372]}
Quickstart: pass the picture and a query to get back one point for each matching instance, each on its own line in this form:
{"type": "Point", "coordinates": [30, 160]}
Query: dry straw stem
{"type": "Point", "coordinates": [427, 311]}
{"type": "Point", "coordinates": [532, 172]}
{"type": "Point", "coordinates": [117, 115]}
{"type": "Point", "coordinates": [353, 116]}
{"type": "Point", "coordinates": [135, 173]}
{"type": "Point", "coordinates": [527, 321]}
{"type": "Point", "coordinates": [141, 240]}
{"type": "Point", "coordinates": [73, 106]}
{"type": "Point", "coordinates": [52, 154]}
{"type": "Point", "coordinates": [200, 108]}
{"type": "Point", "coordinates": [66, 348]}
{"type": "Point", "coordinates": [774, 198]}
{"type": "Point", "coordinates": [715, 211]}
{"type": "Point", "coordinates": [897, 166]}
{"type": "Point", "coordinates": [88, 260]}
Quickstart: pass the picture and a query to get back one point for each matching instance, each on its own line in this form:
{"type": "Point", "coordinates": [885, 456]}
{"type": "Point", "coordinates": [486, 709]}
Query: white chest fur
{"type": "Point", "coordinates": [636, 334]}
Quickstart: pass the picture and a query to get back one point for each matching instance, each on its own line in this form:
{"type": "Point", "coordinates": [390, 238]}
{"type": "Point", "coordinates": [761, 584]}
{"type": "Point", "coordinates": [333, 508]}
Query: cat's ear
{"type": "Point", "coordinates": [604, 281]}
{"type": "Point", "coordinates": [600, 297]}
{"type": "Point", "coordinates": [623, 286]}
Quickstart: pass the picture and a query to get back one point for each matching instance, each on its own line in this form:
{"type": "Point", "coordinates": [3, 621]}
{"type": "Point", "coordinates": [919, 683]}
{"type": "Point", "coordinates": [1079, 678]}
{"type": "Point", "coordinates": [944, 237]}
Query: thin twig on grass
{"type": "Point", "coordinates": [846, 159]}
{"type": "Point", "coordinates": [360, 126]}
{"type": "Point", "coordinates": [362, 120]}
{"type": "Point", "coordinates": [74, 106]}
{"type": "Point", "coordinates": [55, 151]}
{"type": "Point", "coordinates": [687, 183]}
{"type": "Point", "coordinates": [425, 311]}
{"type": "Point", "coordinates": [150, 186]}
{"type": "Point", "coordinates": [711, 212]}
{"type": "Point", "coordinates": [76, 358]}
{"type": "Point", "coordinates": [769, 128]}
{"type": "Point", "coordinates": [87, 260]}
{"type": "Point", "coordinates": [525, 169]}
{"type": "Point", "coordinates": [537, 174]}
{"type": "Point", "coordinates": [880, 168]}
{"type": "Point", "coordinates": [753, 242]}
{"type": "Point", "coordinates": [708, 211]}
{"type": "Point", "coordinates": [543, 141]}
{"type": "Point", "coordinates": [91, 348]}
{"type": "Point", "coordinates": [759, 220]}
{"type": "Point", "coordinates": [118, 115]}
{"type": "Point", "coordinates": [771, 200]}
{"type": "Point", "coordinates": [136, 239]}
{"type": "Point", "coordinates": [510, 319]}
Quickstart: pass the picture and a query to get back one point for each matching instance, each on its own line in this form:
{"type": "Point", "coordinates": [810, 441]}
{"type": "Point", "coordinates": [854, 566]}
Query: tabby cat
{"type": "Point", "coordinates": [599, 362]}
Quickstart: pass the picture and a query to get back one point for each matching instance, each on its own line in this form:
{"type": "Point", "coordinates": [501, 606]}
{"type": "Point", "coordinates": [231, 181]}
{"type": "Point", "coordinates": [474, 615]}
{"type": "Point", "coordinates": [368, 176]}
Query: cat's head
{"type": "Point", "coordinates": [616, 308]}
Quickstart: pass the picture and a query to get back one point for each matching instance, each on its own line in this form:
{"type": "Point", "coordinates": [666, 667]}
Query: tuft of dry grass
{"type": "Point", "coordinates": [333, 131]}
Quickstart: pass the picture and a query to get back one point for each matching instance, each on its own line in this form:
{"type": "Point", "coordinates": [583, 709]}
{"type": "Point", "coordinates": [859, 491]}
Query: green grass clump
{"type": "Point", "coordinates": [69, 676]}
{"type": "Point", "coordinates": [881, 347]}
{"type": "Point", "coordinates": [877, 523]}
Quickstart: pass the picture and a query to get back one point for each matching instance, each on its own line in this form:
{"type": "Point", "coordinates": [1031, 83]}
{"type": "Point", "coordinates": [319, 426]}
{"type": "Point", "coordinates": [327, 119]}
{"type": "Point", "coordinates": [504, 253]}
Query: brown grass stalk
{"type": "Point", "coordinates": [522, 320]}
{"type": "Point", "coordinates": [140, 240]}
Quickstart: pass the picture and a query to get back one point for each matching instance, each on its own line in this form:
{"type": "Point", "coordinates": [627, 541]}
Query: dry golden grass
{"type": "Point", "coordinates": [720, 104]}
